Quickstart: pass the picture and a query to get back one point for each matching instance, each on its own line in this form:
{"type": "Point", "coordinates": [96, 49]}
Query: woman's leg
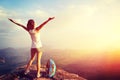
{"type": "Point", "coordinates": [31, 59]}
{"type": "Point", "coordinates": [39, 63]}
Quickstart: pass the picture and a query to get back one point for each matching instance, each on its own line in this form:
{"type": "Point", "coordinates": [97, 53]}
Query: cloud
{"type": "Point", "coordinates": [38, 13]}
{"type": "Point", "coordinates": [3, 13]}
{"type": "Point", "coordinates": [107, 2]}
{"type": "Point", "coordinates": [88, 26]}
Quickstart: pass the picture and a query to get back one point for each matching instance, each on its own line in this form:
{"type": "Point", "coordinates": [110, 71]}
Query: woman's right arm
{"type": "Point", "coordinates": [18, 24]}
{"type": "Point", "coordinates": [40, 26]}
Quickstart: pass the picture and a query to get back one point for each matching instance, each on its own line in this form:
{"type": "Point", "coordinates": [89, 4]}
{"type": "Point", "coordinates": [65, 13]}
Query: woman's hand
{"type": "Point", "coordinates": [11, 20]}
{"type": "Point", "coordinates": [51, 18]}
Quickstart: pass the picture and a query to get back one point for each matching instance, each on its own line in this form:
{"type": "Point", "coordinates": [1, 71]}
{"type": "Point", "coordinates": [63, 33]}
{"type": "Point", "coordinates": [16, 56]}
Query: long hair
{"type": "Point", "coordinates": [30, 24]}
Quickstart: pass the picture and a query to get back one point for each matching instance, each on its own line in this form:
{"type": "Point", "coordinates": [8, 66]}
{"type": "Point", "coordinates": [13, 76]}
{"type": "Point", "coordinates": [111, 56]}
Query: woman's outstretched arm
{"type": "Point", "coordinates": [18, 24]}
{"type": "Point", "coordinates": [40, 26]}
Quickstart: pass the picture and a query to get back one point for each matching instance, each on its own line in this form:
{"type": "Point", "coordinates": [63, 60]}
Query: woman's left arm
{"type": "Point", "coordinates": [18, 24]}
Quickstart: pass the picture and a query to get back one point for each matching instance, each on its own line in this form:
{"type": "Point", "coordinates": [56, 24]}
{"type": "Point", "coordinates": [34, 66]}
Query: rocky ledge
{"type": "Point", "coordinates": [18, 74]}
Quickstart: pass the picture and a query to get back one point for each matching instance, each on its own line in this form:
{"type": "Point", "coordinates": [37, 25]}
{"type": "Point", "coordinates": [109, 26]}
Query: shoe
{"type": "Point", "coordinates": [26, 72]}
{"type": "Point", "coordinates": [38, 76]}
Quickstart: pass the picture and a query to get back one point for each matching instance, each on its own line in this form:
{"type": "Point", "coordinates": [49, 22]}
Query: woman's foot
{"type": "Point", "coordinates": [26, 72]}
{"type": "Point", "coordinates": [38, 75]}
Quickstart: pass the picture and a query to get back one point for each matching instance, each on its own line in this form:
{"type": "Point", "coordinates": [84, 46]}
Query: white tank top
{"type": "Point", "coordinates": [35, 36]}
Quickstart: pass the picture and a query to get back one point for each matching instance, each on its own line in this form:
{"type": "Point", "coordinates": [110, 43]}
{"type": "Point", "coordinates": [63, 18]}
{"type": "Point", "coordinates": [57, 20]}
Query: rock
{"type": "Point", "coordinates": [2, 60]}
{"type": "Point", "coordinates": [18, 74]}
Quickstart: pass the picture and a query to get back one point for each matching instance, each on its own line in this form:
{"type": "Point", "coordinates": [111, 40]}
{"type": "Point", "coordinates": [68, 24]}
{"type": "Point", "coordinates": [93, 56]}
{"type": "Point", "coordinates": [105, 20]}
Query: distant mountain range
{"type": "Point", "coordinates": [13, 58]}
{"type": "Point", "coordinates": [90, 69]}
{"type": "Point", "coordinates": [16, 57]}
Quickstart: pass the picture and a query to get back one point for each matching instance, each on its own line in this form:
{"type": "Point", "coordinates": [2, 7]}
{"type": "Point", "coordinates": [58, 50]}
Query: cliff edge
{"type": "Point", "coordinates": [18, 74]}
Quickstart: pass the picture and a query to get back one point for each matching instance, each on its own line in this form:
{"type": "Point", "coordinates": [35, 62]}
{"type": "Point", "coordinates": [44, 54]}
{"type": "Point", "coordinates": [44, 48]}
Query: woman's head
{"type": "Point", "coordinates": [30, 24]}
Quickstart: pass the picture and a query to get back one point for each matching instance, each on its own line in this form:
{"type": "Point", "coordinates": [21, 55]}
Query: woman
{"type": "Point", "coordinates": [36, 42]}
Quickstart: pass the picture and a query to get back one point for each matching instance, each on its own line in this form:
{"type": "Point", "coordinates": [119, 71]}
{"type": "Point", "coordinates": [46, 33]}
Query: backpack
{"type": "Point", "coordinates": [51, 68]}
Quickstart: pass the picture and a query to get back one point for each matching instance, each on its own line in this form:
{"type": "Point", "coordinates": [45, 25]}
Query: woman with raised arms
{"type": "Point", "coordinates": [36, 42]}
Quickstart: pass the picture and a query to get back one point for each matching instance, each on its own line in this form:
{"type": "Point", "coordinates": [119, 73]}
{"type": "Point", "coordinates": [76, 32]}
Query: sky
{"type": "Point", "coordinates": [88, 25]}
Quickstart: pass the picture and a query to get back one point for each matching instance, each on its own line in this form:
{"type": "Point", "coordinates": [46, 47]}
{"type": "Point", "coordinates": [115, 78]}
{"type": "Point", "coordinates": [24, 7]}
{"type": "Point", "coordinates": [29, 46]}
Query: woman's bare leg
{"type": "Point", "coordinates": [39, 63]}
{"type": "Point", "coordinates": [31, 60]}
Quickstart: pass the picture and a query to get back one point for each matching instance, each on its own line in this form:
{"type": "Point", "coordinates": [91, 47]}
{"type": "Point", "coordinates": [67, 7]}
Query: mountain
{"type": "Point", "coordinates": [18, 74]}
{"type": "Point", "coordinates": [92, 71]}
{"type": "Point", "coordinates": [89, 67]}
{"type": "Point", "coordinates": [12, 58]}
{"type": "Point", "coordinates": [17, 57]}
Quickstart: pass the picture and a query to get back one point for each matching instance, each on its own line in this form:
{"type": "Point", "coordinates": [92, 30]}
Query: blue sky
{"type": "Point", "coordinates": [91, 25]}
{"type": "Point", "coordinates": [27, 4]}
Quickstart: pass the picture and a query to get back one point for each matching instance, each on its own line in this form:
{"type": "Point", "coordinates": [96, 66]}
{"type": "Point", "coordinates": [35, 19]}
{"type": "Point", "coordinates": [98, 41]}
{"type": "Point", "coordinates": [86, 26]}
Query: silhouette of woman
{"type": "Point", "coordinates": [36, 42]}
